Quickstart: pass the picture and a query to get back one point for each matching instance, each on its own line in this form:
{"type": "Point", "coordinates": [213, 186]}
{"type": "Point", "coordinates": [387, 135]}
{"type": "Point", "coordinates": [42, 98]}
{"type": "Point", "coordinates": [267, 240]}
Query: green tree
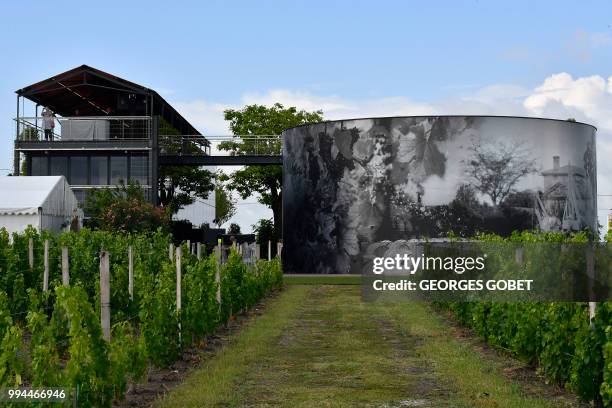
{"type": "Point", "coordinates": [124, 209]}
{"type": "Point", "coordinates": [225, 207]}
{"type": "Point", "coordinates": [234, 229]}
{"type": "Point", "coordinates": [259, 120]}
{"type": "Point", "coordinates": [178, 186]}
{"type": "Point", "coordinates": [264, 231]}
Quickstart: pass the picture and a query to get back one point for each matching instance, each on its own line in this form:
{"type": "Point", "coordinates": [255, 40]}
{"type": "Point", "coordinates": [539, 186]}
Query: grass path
{"type": "Point", "coordinates": [321, 346]}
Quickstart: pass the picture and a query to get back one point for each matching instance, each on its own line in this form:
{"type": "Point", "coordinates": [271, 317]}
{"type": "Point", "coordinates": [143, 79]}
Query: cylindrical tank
{"type": "Point", "coordinates": [351, 187]}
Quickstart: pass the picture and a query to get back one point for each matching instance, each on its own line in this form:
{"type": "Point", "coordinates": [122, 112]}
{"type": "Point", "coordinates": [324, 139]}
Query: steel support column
{"type": "Point", "coordinates": [153, 158]}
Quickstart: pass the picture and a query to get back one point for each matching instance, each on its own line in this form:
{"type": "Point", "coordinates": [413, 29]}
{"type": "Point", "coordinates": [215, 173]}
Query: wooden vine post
{"type": "Point", "coordinates": [130, 273]}
{"type": "Point", "coordinates": [65, 267]}
{"type": "Point", "coordinates": [105, 294]}
{"type": "Point", "coordinates": [590, 264]}
{"type": "Point", "coordinates": [179, 297]}
{"type": "Point", "coordinates": [218, 271]}
{"type": "Point", "coordinates": [46, 267]}
{"type": "Point", "coordinates": [31, 253]}
{"type": "Point", "coordinates": [519, 255]}
{"type": "Point", "coordinates": [269, 250]}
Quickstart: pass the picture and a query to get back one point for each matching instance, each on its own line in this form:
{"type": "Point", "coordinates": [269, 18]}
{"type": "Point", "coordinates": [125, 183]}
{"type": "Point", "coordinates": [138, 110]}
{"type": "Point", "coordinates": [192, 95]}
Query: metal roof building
{"type": "Point", "coordinates": [97, 130]}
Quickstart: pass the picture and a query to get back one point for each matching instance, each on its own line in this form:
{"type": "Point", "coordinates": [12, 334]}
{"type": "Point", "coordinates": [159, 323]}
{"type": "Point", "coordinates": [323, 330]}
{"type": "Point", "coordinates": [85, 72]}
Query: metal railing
{"type": "Point", "coordinates": [85, 128]}
{"type": "Point", "coordinates": [183, 145]}
{"type": "Point", "coordinates": [197, 145]}
{"type": "Point", "coordinates": [100, 128]}
{"type": "Point", "coordinates": [31, 129]}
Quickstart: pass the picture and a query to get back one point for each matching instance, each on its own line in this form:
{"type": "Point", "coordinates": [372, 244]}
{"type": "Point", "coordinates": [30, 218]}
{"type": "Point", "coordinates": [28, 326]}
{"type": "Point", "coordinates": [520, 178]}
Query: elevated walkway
{"type": "Point", "coordinates": [196, 150]}
{"type": "Point", "coordinates": [216, 160]}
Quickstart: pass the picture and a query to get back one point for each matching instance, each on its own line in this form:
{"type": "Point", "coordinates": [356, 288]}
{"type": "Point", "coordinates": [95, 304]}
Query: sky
{"type": "Point", "coordinates": [348, 58]}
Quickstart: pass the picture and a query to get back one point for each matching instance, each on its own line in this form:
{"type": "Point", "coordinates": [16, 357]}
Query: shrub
{"type": "Point", "coordinates": [124, 209]}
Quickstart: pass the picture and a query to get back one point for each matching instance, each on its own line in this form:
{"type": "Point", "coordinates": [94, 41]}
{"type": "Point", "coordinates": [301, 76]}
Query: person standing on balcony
{"type": "Point", "coordinates": [48, 119]}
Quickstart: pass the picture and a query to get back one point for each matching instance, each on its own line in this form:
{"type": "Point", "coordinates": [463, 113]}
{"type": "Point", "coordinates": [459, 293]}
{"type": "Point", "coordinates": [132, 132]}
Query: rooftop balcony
{"type": "Point", "coordinates": [139, 133]}
{"type": "Point", "coordinates": [121, 132]}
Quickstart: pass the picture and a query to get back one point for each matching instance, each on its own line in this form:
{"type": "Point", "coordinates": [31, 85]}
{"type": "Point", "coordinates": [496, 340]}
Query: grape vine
{"type": "Point", "coordinates": [65, 345]}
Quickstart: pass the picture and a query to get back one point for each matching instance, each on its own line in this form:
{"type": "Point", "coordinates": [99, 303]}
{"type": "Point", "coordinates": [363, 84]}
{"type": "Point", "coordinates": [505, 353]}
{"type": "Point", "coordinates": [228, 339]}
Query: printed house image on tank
{"type": "Point", "coordinates": [354, 188]}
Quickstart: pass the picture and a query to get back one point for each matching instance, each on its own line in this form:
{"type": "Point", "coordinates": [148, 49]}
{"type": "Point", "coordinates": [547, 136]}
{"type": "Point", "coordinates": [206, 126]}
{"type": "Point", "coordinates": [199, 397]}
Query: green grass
{"type": "Point", "coordinates": [474, 374]}
{"type": "Point", "coordinates": [321, 346]}
{"type": "Point", "coordinates": [216, 381]}
{"type": "Point", "coordinates": [322, 279]}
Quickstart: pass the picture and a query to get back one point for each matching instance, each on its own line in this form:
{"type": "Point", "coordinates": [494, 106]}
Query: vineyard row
{"type": "Point", "coordinates": [112, 306]}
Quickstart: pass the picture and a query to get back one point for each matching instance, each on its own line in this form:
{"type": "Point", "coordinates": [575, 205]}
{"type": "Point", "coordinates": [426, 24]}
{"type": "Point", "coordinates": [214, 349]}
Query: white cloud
{"type": "Point", "coordinates": [303, 100]}
{"type": "Point", "coordinates": [588, 98]}
{"type": "Point", "coordinates": [495, 99]}
{"type": "Point", "coordinates": [560, 96]}
{"type": "Point", "coordinates": [206, 116]}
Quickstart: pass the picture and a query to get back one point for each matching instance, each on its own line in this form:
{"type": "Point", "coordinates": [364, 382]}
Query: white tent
{"type": "Point", "coordinates": [44, 202]}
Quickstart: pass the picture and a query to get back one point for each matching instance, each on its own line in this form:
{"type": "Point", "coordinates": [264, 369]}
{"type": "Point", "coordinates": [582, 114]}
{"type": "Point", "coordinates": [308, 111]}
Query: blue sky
{"type": "Point", "coordinates": [352, 57]}
{"type": "Point", "coordinates": [218, 50]}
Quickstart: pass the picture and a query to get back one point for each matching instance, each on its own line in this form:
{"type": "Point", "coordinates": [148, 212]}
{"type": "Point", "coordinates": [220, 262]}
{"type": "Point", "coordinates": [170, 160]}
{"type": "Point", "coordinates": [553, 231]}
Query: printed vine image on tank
{"type": "Point", "coordinates": [354, 188]}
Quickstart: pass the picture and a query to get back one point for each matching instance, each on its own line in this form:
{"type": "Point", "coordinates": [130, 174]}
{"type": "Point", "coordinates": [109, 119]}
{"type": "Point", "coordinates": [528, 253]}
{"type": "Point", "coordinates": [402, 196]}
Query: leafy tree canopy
{"type": "Point", "coordinates": [225, 207]}
{"type": "Point", "coordinates": [234, 229]}
{"type": "Point", "coordinates": [259, 120]}
{"type": "Point", "coordinates": [264, 231]}
{"type": "Point", "coordinates": [179, 185]}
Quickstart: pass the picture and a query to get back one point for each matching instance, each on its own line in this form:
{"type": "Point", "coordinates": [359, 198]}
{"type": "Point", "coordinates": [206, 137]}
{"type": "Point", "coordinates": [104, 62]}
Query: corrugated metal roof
{"type": "Point", "coordinates": [93, 92]}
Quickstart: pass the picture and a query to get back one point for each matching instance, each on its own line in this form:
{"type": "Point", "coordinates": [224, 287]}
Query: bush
{"type": "Point", "coordinates": [124, 209]}
{"type": "Point", "coordinates": [557, 336]}
{"type": "Point", "coordinates": [58, 342]}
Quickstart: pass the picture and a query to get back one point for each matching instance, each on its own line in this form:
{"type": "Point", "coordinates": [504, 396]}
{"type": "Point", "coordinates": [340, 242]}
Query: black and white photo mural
{"type": "Point", "coordinates": [350, 186]}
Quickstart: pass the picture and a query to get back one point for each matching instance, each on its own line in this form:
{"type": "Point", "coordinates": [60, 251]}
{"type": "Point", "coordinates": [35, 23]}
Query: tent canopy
{"type": "Point", "coordinates": [26, 195]}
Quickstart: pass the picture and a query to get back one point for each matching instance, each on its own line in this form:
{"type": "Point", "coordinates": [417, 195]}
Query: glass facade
{"type": "Point", "coordinates": [39, 166]}
{"type": "Point", "coordinates": [99, 171]}
{"type": "Point", "coordinates": [78, 170]}
{"type": "Point", "coordinates": [59, 166]}
{"type": "Point", "coordinates": [139, 169]}
{"type": "Point", "coordinates": [81, 195]}
{"type": "Point", "coordinates": [118, 169]}
{"type": "Point", "coordinates": [85, 172]}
